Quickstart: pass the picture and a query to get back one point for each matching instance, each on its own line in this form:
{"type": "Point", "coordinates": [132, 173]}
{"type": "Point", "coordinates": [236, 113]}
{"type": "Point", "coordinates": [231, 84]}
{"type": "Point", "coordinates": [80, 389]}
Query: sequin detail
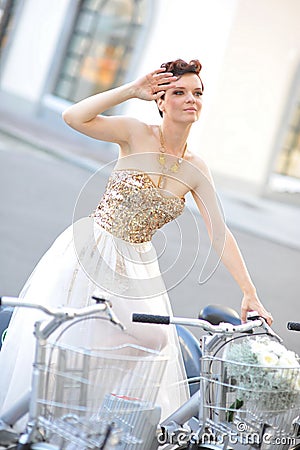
{"type": "Point", "coordinates": [132, 208]}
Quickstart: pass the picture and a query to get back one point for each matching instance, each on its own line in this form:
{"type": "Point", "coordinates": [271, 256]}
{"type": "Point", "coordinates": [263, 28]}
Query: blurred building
{"type": "Point", "coordinates": [54, 52]}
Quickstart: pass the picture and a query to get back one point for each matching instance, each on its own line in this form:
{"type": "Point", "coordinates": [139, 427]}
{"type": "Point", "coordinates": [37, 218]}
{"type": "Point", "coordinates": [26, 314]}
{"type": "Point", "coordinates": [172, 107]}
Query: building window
{"type": "Point", "coordinates": [100, 48]}
{"type": "Point", "coordinates": [288, 161]}
{"type": "Point", "coordinates": [7, 10]}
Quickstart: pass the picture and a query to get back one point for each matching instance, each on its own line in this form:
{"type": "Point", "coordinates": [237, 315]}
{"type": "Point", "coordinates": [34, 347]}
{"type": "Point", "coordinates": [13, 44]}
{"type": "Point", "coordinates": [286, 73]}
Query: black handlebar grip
{"type": "Point", "coordinates": [149, 318]}
{"type": "Point", "coordinates": [294, 326]}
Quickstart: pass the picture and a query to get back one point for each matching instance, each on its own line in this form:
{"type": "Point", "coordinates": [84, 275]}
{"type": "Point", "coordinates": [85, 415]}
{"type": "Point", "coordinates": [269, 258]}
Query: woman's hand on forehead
{"type": "Point", "coordinates": [149, 87]}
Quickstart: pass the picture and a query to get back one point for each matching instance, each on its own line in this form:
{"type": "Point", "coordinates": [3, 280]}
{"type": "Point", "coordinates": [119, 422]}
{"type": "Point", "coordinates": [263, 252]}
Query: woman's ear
{"type": "Point", "coordinates": [160, 104]}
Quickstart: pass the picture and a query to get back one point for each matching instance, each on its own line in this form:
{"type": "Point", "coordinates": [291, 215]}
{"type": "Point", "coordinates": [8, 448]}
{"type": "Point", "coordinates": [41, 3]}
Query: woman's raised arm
{"type": "Point", "coordinates": [86, 115]}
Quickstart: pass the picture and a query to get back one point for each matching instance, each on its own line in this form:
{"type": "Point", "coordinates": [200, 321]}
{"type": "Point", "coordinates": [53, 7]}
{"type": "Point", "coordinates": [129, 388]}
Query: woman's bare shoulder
{"type": "Point", "coordinates": [198, 167]}
{"type": "Point", "coordinates": [142, 137]}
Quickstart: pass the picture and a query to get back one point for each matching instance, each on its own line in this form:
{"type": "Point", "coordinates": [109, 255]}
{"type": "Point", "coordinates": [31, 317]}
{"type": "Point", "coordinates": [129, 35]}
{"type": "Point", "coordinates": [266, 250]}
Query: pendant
{"type": "Point", "coordinates": [162, 160]}
{"type": "Point", "coordinates": [161, 182]}
{"type": "Point", "coordinates": [174, 168]}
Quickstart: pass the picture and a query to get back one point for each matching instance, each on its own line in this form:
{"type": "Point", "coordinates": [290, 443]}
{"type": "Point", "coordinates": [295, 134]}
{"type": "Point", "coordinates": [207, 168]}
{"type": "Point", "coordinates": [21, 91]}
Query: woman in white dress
{"type": "Point", "coordinates": [110, 254]}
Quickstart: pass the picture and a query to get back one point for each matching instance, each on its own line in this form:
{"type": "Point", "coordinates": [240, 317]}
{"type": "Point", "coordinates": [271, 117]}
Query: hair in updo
{"type": "Point", "coordinates": [180, 67]}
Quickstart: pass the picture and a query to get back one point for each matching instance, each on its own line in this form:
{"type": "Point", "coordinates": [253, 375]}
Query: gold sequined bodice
{"type": "Point", "coordinates": [132, 208]}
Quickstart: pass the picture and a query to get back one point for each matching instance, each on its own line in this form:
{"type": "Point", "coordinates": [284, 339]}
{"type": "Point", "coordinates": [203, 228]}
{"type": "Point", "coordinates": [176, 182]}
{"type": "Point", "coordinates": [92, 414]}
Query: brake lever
{"type": "Point", "coordinates": [253, 315]}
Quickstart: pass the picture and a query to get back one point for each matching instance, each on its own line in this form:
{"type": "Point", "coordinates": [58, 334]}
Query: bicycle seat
{"type": "Point", "coordinates": [5, 316]}
{"type": "Point", "coordinates": [216, 314]}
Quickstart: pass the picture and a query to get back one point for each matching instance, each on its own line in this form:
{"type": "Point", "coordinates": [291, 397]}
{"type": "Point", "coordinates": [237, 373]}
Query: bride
{"type": "Point", "coordinates": [110, 253]}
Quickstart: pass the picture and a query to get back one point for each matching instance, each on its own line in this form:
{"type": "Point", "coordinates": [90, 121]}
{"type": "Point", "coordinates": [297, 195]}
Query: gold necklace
{"type": "Point", "coordinates": [174, 168]}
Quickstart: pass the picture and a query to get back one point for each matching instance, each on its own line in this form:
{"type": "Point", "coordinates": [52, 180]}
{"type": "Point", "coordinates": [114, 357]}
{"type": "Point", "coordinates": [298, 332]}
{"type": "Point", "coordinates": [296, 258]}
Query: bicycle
{"type": "Point", "coordinates": [187, 428]}
{"type": "Point", "coordinates": [39, 427]}
{"type": "Point", "coordinates": [81, 398]}
{"type": "Point", "coordinates": [227, 412]}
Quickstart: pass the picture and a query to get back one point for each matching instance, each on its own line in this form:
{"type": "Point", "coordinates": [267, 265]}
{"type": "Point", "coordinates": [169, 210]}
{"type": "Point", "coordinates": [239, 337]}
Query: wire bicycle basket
{"type": "Point", "coordinates": [246, 397]}
{"type": "Point", "coordinates": [90, 395]}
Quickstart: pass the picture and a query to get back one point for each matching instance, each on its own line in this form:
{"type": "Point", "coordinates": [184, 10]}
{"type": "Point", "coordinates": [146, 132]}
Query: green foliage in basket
{"type": "Point", "coordinates": [264, 372]}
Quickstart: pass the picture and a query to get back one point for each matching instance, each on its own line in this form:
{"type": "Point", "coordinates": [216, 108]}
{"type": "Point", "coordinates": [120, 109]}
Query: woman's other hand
{"type": "Point", "coordinates": [250, 303]}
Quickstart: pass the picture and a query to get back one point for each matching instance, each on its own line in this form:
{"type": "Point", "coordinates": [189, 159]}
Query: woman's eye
{"type": "Point", "coordinates": [199, 94]}
{"type": "Point", "coordinates": [178, 92]}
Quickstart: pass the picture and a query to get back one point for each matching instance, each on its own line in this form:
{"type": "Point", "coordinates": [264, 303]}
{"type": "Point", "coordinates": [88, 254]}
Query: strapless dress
{"type": "Point", "coordinates": [108, 254]}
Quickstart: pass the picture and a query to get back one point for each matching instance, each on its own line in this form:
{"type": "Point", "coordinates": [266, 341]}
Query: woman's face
{"type": "Point", "coordinates": [183, 101]}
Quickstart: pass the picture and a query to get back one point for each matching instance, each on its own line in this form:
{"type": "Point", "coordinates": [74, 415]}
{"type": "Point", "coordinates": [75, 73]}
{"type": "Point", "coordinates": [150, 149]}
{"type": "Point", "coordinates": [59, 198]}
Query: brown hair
{"type": "Point", "coordinates": [180, 67]}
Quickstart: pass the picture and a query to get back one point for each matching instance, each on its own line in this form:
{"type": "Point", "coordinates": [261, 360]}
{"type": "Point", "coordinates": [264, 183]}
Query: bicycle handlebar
{"type": "Point", "coordinates": [225, 328]}
{"type": "Point", "coordinates": [294, 326]}
{"type": "Point", "coordinates": [60, 312]}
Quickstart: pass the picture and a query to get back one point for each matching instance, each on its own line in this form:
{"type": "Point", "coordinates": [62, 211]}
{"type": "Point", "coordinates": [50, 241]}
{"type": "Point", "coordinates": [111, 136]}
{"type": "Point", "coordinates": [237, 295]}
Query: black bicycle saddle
{"type": "Point", "coordinates": [216, 314]}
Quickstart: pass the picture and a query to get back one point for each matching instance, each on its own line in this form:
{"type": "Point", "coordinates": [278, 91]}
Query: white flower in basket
{"type": "Point", "coordinates": [264, 373]}
{"type": "Point", "coordinates": [267, 358]}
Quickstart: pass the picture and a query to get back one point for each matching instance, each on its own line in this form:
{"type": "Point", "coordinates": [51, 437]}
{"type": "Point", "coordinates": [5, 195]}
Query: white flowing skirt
{"type": "Point", "coordinates": [86, 260]}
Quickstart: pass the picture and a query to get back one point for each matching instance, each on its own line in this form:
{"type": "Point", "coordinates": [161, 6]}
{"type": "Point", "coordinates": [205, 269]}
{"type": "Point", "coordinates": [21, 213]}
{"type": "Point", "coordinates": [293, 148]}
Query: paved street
{"type": "Point", "coordinates": [38, 196]}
